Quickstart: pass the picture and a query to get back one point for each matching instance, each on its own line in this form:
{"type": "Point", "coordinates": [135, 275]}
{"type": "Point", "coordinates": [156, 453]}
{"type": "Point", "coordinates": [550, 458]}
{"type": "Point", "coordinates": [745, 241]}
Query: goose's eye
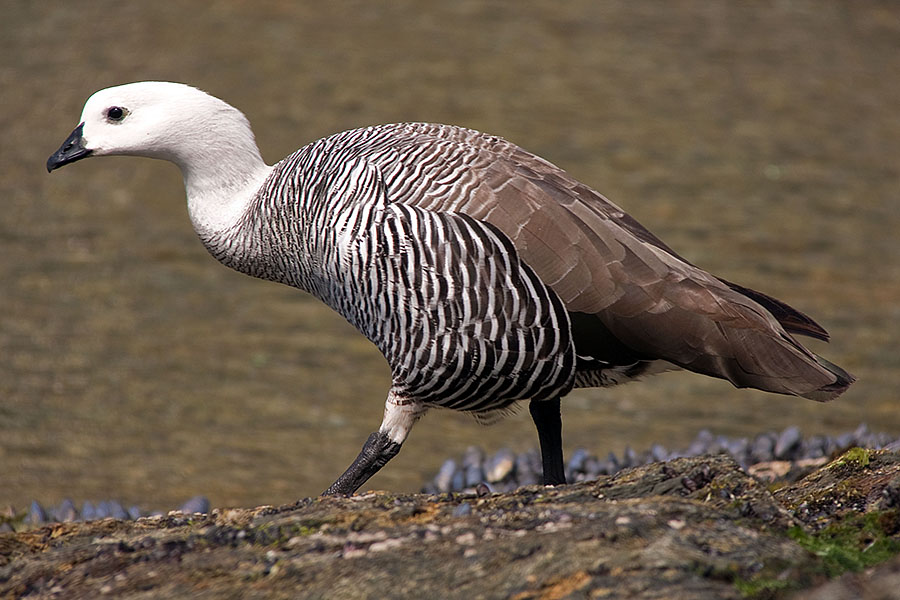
{"type": "Point", "coordinates": [115, 113]}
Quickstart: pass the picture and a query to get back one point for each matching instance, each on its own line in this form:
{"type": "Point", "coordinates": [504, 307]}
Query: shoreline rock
{"type": "Point", "coordinates": [771, 456]}
{"type": "Point", "coordinates": [698, 527]}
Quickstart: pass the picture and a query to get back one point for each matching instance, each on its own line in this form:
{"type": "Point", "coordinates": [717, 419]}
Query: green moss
{"type": "Point", "coordinates": [762, 587]}
{"type": "Point", "coordinates": [857, 457]}
{"type": "Point", "coordinates": [854, 544]}
{"type": "Point", "coordinates": [270, 534]}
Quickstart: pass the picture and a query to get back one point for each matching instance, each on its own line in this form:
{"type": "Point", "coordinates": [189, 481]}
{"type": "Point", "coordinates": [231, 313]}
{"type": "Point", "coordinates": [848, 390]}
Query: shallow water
{"type": "Point", "coordinates": [758, 140]}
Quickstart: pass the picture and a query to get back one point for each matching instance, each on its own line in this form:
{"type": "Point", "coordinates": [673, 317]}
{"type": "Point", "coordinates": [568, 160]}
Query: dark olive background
{"type": "Point", "coordinates": [760, 140]}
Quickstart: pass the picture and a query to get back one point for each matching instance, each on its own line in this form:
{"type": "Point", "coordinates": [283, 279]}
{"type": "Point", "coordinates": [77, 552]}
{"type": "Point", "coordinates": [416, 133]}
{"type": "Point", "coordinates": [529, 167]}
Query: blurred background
{"type": "Point", "coordinates": [760, 140]}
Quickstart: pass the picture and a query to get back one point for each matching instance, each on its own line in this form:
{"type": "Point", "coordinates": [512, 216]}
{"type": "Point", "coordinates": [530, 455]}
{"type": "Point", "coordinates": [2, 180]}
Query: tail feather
{"type": "Point", "coordinates": [796, 322]}
{"type": "Point", "coordinates": [790, 318]}
{"type": "Point", "coordinates": [832, 390]}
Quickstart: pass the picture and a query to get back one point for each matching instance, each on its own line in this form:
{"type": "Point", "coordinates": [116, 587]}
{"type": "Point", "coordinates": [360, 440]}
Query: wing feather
{"type": "Point", "coordinates": [602, 262]}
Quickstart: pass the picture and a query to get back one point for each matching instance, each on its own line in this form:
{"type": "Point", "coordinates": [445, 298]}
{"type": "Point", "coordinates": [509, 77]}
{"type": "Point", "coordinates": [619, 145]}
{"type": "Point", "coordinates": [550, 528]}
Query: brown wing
{"type": "Point", "coordinates": [601, 262]}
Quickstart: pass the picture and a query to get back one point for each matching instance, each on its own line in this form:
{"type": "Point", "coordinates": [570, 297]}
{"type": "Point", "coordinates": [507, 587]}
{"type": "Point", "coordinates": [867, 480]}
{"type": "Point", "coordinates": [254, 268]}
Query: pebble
{"type": "Point", "coordinates": [87, 511]}
{"type": "Point", "coordinates": [612, 464]}
{"type": "Point", "coordinates": [506, 470]}
{"type": "Point", "coordinates": [474, 456]}
{"type": "Point", "coordinates": [459, 481]}
{"type": "Point", "coordinates": [576, 461]}
{"type": "Point", "coordinates": [500, 465]}
{"type": "Point", "coordinates": [845, 439]}
{"type": "Point", "coordinates": [788, 442]}
{"type": "Point", "coordinates": [473, 464]}
{"type": "Point", "coordinates": [526, 471]}
{"type": "Point", "coordinates": [658, 453]}
{"type": "Point", "coordinates": [592, 465]}
{"type": "Point", "coordinates": [443, 481]}
{"type": "Point", "coordinates": [36, 513]}
{"type": "Point", "coordinates": [66, 512]}
{"type": "Point", "coordinates": [474, 475]}
{"type": "Point", "coordinates": [631, 458]}
{"type": "Point", "coordinates": [197, 504]}
{"type": "Point", "coordinates": [700, 443]}
{"type": "Point", "coordinates": [763, 448]}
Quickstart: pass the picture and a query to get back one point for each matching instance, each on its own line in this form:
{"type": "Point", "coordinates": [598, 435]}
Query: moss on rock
{"type": "Point", "coordinates": [691, 527]}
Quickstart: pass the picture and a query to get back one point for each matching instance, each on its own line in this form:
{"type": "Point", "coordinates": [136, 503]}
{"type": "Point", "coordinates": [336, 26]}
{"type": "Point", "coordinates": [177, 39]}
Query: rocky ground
{"type": "Point", "coordinates": [771, 456]}
{"type": "Point", "coordinates": [698, 527]}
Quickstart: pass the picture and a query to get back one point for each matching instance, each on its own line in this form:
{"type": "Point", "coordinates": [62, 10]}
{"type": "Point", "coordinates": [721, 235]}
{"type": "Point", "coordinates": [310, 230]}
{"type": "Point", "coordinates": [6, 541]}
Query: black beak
{"type": "Point", "coordinates": [71, 150]}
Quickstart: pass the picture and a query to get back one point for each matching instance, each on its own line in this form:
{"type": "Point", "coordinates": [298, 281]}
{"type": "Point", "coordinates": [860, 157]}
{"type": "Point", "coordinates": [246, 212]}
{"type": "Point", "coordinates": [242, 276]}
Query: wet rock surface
{"type": "Point", "coordinates": [698, 527]}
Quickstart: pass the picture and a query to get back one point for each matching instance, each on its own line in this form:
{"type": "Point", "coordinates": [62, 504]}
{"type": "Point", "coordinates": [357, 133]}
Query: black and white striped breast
{"type": "Point", "coordinates": [461, 320]}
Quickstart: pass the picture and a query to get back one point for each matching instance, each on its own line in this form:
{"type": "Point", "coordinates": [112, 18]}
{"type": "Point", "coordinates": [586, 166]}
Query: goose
{"type": "Point", "coordinates": [485, 275]}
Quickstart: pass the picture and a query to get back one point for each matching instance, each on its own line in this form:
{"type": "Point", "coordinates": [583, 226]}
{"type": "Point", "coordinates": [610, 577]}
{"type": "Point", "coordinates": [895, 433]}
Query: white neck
{"type": "Point", "coordinates": [222, 168]}
{"type": "Point", "coordinates": [220, 191]}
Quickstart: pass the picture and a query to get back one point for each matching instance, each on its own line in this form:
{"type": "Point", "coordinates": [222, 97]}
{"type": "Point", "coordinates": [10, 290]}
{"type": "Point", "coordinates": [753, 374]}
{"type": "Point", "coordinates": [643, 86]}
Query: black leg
{"type": "Point", "coordinates": [379, 449]}
{"type": "Point", "coordinates": [548, 421]}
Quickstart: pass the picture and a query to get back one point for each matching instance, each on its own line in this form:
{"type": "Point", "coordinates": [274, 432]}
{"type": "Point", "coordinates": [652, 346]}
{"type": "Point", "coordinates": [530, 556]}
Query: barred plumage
{"type": "Point", "coordinates": [483, 273]}
{"type": "Point", "coordinates": [462, 321]}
